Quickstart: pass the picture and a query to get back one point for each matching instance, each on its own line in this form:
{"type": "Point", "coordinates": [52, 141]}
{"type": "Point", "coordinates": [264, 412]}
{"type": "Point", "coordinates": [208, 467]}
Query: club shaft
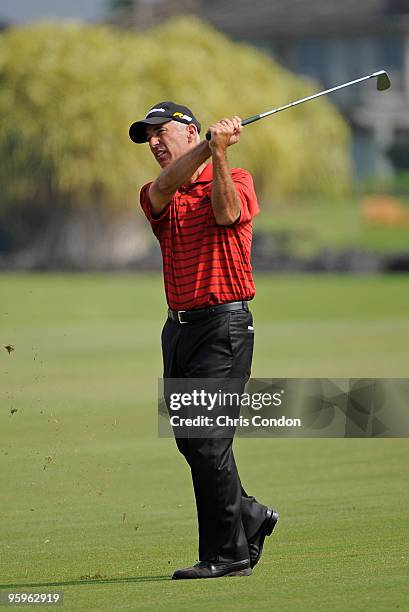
{"type": "Point", "coordinates": [317, 95]}
{"type": "Point", "coordinates": [380, 73]}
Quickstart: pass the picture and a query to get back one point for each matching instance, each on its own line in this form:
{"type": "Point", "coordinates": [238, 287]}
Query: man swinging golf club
{"type": "Point", "coordinates": [201, 213]}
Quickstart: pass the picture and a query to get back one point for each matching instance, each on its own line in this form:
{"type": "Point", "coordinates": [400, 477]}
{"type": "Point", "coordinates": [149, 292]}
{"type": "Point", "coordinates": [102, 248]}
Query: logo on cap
{"type": "Point", "coordinates": [156, 110]}
{"type": "Point", "coordinates": [182, 116]}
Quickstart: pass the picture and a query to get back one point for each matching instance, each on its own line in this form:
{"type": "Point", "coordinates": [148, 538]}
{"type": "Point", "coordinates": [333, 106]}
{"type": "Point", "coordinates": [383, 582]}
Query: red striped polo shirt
{"type": "Point", "coordinates": [204, 264]}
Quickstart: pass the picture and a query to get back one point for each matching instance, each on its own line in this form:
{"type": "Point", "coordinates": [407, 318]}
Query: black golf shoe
{"type": "Point", "coordinates": [214, 569]}
{"type": "Point", "coordinates": [257, 542]}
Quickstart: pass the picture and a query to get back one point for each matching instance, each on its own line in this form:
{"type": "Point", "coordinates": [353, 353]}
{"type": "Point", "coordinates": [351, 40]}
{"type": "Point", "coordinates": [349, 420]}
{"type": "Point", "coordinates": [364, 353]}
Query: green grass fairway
{"type": "Point", "coordinates": [95, 505]}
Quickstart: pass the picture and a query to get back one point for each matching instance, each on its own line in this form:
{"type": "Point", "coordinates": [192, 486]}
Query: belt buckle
{"type": "Point", "coordinates": [179, 319]}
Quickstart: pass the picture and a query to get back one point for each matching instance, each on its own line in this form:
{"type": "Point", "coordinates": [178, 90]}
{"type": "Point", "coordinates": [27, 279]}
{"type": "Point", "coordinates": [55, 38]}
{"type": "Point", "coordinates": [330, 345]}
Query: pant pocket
{"type": "Point", "coordinates": [241, 336]}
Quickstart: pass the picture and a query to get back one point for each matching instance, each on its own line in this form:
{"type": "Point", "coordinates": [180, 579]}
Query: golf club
{"type": "Point", "coordinates": [382, 82]}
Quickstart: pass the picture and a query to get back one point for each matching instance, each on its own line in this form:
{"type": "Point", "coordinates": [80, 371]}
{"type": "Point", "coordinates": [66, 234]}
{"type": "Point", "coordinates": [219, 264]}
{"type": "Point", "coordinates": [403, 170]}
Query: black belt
{"type": "Point", "coordinates": [188, 316]}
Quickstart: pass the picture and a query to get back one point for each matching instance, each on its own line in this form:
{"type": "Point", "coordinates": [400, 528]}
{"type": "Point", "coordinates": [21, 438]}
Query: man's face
{"type": "Point", "coordinates": [167, 141]}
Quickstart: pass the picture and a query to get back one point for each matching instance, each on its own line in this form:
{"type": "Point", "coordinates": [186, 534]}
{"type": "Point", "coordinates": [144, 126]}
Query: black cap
{"type": "Point", "coordinates": [162, 113]}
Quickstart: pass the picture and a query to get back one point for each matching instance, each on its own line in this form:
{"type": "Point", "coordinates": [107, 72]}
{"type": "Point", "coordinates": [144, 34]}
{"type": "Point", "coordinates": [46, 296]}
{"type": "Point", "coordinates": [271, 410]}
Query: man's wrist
{"type": "Point", "coordinates": [219, 153]}
{"type": "Point", "coordinates": [205, 148]}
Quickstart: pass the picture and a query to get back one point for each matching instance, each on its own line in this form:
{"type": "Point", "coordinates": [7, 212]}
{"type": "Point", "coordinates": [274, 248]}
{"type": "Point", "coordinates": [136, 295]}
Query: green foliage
{"type": "Point", "coordinates": [299, 151]}
{"type": "Point", "coordinates": [114, 5]}
{"type": "Point", "coordinates": [393, 184]}
{"type": "Point", "coordinates": [306, 229]}
{"type": "Point", "coordinates": [68, 93]}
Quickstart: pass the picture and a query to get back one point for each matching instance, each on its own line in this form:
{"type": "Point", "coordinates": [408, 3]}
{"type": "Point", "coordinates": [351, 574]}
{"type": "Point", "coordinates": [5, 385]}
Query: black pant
{"type": "Point", "coordinates": [218, 347]}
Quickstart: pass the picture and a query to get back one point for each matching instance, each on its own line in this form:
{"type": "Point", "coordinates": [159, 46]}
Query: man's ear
{"type": "Point", "coordinates": [191, 133]}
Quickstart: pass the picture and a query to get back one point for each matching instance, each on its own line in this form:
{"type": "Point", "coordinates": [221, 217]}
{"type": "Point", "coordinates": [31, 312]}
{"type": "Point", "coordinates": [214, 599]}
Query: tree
{"type": "Point", "coordinates": [70, 91]}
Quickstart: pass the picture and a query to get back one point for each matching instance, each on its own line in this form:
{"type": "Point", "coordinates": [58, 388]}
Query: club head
{"type": "Point", "coordinates": [383, 81]}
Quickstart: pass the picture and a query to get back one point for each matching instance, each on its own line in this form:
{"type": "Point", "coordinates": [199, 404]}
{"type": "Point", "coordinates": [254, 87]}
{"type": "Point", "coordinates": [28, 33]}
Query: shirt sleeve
{"type": "Point", "coordinates": [243, 182]}
{"type": "Point", "coordinates": [154, 220]}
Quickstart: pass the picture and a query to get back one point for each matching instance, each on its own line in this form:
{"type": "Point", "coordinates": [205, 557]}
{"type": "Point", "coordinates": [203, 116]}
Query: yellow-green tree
{"type": "Point", "coordinates": [68, 93]}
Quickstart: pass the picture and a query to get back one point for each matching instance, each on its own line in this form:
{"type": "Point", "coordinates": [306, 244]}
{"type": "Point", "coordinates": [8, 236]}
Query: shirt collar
{"type": "Point", "coordinates": [206, 176]}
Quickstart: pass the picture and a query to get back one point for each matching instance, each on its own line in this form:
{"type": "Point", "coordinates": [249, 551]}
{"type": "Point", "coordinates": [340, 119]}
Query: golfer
{"type": "Point", "coordinates": [201, 212]}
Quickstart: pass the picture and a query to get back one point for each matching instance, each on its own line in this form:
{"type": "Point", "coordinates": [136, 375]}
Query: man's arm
{"type": "Point", "coordinates": [175, 175]}
{"type": "Point", "coordinates": [225, 200]}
